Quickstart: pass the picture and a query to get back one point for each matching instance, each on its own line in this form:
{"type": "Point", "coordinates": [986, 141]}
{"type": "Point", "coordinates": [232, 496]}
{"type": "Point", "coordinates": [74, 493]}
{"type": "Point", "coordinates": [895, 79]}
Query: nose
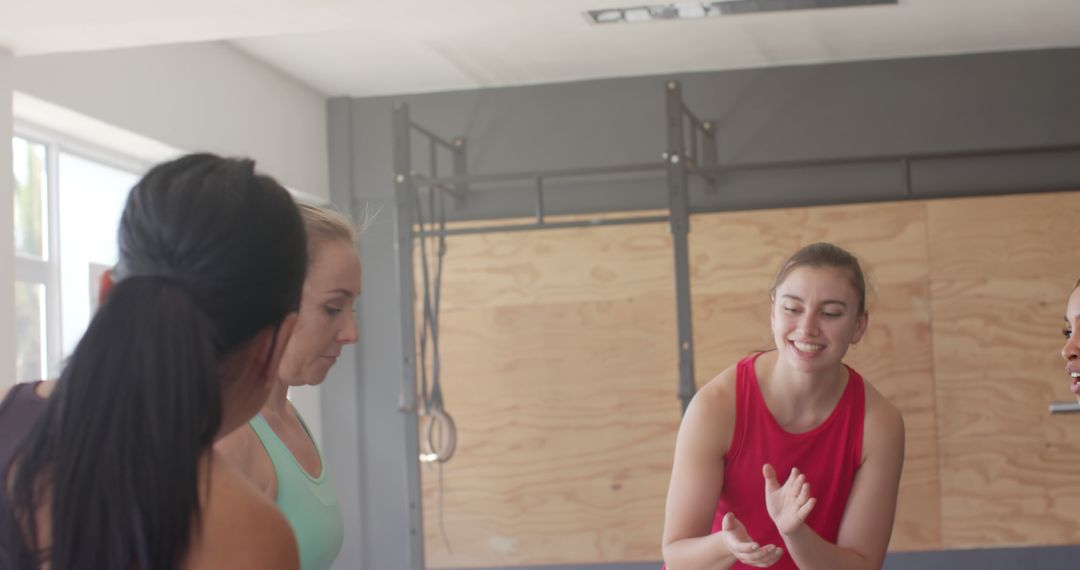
{"type": "Point", "coordinates": [348, 333]}
{"type": "Point", "coordinates": [1070, 351]}
{"type": "Point", "coordinates": [808, 323]}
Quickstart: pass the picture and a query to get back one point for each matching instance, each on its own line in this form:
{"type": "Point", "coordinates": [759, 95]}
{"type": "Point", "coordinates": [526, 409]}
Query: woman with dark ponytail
{"type": "Point", "coordinates": [111, 467]}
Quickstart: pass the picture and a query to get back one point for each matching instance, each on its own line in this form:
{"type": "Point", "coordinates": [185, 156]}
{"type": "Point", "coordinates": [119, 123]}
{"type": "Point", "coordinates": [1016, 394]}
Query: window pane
{"type": "Point", "coordinates": [29, 331]}
{"type": "Point", "coordinates": [31, 184]}
{"type": "Point", "coordinates": [92, 197]}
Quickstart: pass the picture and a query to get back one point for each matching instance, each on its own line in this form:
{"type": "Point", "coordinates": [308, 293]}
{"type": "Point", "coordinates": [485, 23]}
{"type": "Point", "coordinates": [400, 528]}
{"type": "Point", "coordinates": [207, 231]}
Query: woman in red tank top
{"type": "Point", "coordinates": [788, 459]}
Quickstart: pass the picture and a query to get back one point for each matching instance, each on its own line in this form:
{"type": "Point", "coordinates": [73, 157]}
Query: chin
{"type": "Point", "coordinates": [316, 378]}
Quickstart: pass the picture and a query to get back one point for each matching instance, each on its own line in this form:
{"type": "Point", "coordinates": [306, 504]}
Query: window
{"type": "Point", "coordinates": [68, 200]}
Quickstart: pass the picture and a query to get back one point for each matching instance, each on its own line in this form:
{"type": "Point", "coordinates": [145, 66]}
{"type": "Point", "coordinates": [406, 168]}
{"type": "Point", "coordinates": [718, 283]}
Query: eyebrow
{"type": "Point", "coordinates": [825, 302]}
{"type": "Point", "coordinates": [341, 291]}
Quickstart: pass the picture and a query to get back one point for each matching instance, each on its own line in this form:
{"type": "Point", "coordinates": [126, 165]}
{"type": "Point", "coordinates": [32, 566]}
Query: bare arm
{"type": "Point", "coordinates": [871, 510]}
{"type": "Point", "coordinates": [240, 528]}
{"type": "Point", "coordinates": [273, 544]}
{"type": "Point", "coordinates": [696, 479]}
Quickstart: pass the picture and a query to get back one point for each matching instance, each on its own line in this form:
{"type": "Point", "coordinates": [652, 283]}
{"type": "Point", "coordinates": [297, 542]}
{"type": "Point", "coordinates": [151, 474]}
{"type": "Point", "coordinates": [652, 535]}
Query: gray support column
{"type": "Point", "coordinates": [372, 448]}
{"type": "Point", "coordinates": [679, 204]}
{"type": "Point", "coordinates": [341, 395]}
{"type": "Point", "coordinates": [7, 229]}
{"type": "Point", "coordinates": [404, 222]}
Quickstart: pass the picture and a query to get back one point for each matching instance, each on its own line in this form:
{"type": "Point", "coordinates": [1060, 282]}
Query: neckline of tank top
{"type": "Point", "coordinates": [830, 419]}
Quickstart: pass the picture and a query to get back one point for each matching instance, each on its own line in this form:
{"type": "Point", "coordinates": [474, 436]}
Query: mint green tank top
{"type": "Point", "coordinates": [309, 503]}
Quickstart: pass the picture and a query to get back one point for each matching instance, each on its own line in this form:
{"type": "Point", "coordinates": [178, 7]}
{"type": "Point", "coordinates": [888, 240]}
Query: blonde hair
{"type": "Point", "coordinates": [323, 225]}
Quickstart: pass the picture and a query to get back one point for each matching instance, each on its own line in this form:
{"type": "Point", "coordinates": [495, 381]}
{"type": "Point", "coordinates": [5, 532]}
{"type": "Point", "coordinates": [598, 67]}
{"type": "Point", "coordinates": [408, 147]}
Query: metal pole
{"type": "Point", "coordinates": [532, 175]}
{"type": "Point", "coordinates": [509, 228]}
{"type": "Point", "coordinates": [711, 157]}
{"type": "Point", "coordinates": [461, 189]}
{"type": "Point", "coordinates": [539, 200]}
{"type": "Point", "coordinates": [906, 164]}
{"type": "Point", "coordinates": [434, 137]}
{"type": "Point", "coordinates": [405, 220]}
{"type": "Point", "coordinates": [679, 204]}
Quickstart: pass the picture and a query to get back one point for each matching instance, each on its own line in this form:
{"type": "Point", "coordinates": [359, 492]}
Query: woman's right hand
{"type": "Point", "coordinates": [743, 548]}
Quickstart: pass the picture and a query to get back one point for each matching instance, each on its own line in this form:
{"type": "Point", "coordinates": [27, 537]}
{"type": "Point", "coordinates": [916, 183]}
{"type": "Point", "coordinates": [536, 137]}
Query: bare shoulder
{"type": "Point", "coordinates": [710, 418]}
{"type": "Point", "coordinates": [880, 412]}
{"type": "Point", "coordinates": [245, 453]}
{"type": "Point", "coordinates": [241, 527]}
{"type": "Point", "coordinates": [718, 392]}
{"type": "Point", "coordinates": [883, 424]}
{"type": "Point", "coordinates": [42, 389]}
{"type": "Point", "coordinates": [238, 446]}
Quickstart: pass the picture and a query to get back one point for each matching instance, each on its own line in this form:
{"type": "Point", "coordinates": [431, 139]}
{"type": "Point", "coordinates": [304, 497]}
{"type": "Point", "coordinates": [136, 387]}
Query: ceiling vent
{"type": "Point", "coordinates": [696, 10]}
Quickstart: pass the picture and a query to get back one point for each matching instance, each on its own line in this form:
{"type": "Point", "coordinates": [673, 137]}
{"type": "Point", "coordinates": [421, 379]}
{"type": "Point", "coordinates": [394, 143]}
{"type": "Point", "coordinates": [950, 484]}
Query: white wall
{"type": "Point", "coordinates": [186, 97]}
{"type": "Point", "coordinates": [7, 229]}
{"type": "Point", "coordinates": [192, 97]}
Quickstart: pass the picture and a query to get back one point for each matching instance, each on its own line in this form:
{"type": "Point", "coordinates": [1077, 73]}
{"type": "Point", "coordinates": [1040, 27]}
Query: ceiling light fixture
{"type": "Point", "coordinates": [698, 10]}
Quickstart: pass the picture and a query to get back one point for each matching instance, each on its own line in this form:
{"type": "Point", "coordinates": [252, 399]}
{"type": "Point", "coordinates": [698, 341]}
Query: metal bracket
{"type": "Point", "coordinates": [1064, 408]}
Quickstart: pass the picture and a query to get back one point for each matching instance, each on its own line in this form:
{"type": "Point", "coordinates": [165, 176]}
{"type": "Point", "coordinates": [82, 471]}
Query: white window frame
{"type": "Point", "coordinates": [47, 272]}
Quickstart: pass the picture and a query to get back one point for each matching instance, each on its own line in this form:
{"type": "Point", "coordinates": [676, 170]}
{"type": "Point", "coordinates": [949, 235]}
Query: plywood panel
{"type": "Point", "coordinates": [567, 419]}
{"type": "Point", "coordinates": [1031, 236]}
{"type": "Point", "coordinates": [557, 266]}
{"type": "Point", "coordinates": [740, 251]}
{"type": "Point", "coordinates": [560, 369]}
{"type": "Point", "coordinates": [1002, 268]}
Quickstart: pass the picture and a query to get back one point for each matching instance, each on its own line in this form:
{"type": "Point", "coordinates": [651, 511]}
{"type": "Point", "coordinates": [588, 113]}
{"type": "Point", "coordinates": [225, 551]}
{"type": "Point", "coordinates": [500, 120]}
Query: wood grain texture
{"type": "Point", "coordinates": [560, 368]}
{"type": "Point", "coordinates": [557, 266]}
{"type": "Point", "coordinates": [1003, 268]}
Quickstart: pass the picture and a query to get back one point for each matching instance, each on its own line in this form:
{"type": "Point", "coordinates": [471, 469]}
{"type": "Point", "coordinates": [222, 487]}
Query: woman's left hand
{"type": "Point", "coordinates": [788, 504]}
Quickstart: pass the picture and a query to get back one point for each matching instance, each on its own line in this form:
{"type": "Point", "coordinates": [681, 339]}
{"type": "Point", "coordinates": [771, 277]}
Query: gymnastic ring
{"type": "Point", "coordinates": [430, 451]}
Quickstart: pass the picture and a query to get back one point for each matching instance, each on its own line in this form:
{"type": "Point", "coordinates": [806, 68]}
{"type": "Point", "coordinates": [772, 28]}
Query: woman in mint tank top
{"type": "Point", "coordinates": [278, 454]}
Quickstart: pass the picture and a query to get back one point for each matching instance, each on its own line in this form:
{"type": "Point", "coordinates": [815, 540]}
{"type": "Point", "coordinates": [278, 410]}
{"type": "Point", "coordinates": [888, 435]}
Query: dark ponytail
{"type": "Point", "coordinates": [210, 254]}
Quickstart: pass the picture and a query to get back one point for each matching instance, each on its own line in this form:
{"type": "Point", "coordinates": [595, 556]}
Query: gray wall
{"type": "Point", "coordinates": [7, 224]}
{"type": "Point", "coordinates": [833, 111]}
{"type": "Point", "coordinates": [207, 96]}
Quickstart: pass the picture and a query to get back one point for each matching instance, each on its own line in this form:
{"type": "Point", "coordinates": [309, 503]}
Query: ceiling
{"type": "Point", "coordinates": [364, 48]}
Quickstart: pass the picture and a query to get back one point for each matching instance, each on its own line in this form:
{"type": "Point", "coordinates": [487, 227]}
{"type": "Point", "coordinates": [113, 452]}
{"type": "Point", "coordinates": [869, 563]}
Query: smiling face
{"type": "Point", "coordinates": [326, 320]}
{"type": "Point", "coordinates": [1071, 351]}
{"type": "Point", "coordinates": [816, 315]}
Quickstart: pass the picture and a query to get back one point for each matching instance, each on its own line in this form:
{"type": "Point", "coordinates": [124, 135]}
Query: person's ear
{"type": "Point", "coordinates": [105, 285]}
{"type": "Point", "coordinates": [860, 327]}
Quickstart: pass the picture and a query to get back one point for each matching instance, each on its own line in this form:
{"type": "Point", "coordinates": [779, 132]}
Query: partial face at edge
{"type": "Point", "coordinates": [1071, 351]}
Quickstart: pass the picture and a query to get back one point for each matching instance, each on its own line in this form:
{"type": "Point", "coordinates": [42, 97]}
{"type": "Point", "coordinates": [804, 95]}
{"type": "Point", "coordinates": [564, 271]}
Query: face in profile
{"type": "Point", "coordinates": [326, 321]}
{"type": "Point", "coordinates": [815, 317]}
{"type": "Point", "coordinates": [1071, 351]}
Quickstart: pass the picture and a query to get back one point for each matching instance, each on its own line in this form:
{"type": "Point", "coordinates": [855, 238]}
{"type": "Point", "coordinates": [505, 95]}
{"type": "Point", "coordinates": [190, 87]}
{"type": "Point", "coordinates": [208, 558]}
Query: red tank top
{"type": "Point", "coordinates": [829, 455]}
